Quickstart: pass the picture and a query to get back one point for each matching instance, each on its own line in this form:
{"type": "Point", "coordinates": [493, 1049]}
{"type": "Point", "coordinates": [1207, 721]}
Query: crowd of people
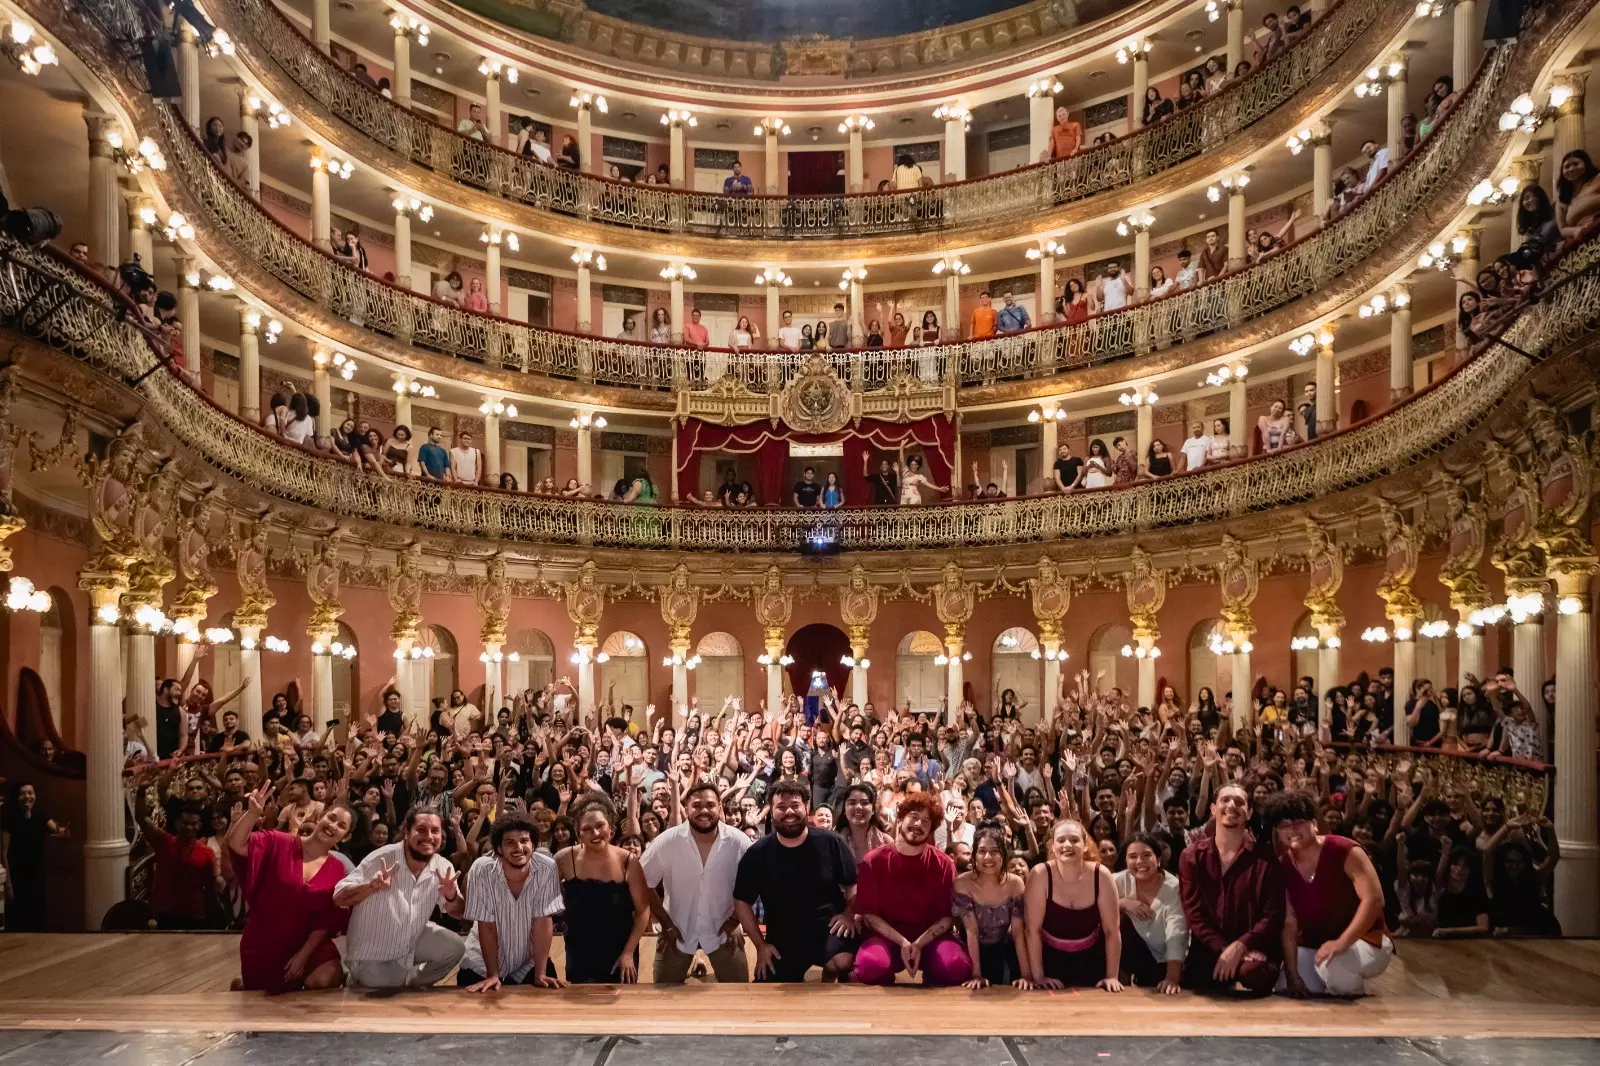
{"type": "Point", "coordinates": [1090, 844]}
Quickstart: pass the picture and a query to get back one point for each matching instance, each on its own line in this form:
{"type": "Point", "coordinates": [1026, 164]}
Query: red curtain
{"type": "Point", "coordinates": [932, 438]}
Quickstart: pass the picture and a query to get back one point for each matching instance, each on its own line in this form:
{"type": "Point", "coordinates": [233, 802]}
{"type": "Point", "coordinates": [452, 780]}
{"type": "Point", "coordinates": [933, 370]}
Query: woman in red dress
{"type": "Point", "coordinates": [287, 883]}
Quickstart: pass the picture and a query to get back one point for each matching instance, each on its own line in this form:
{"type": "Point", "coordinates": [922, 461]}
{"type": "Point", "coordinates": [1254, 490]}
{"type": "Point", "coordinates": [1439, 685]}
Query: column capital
{"type": "Point", "coordinates": [1572, 576]}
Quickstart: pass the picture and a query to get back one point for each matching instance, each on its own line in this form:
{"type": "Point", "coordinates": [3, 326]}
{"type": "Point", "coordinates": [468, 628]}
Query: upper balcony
{"type": "Point", "coordinates": [413, 149]}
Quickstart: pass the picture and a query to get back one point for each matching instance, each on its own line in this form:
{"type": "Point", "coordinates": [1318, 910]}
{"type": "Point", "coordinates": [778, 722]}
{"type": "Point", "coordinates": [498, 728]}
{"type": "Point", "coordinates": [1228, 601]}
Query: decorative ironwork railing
{"type": "Point", "coordinates": [1388, 209]}
{"type": "Point", "coordinates": [44, 296]}
{"type": "Point", "coordinates": [267, 34]}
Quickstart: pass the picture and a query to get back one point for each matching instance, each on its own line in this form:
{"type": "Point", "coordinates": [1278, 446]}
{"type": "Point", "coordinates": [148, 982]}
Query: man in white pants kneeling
{"type": "Point", "coordinates": [391, 943]}
{"type": "Point", "coordinates": [1333, 932]}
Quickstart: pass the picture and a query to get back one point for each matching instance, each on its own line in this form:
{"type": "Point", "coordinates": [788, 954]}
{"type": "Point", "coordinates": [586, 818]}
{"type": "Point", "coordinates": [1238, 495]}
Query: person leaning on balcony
{"type": "Point", "coordinates": [1010, 318]}
{"type": "Point", "coordinates": [1066, 136]}
{"type": "Point", "coordinates": [466, 461]}
{"type": "Point", "coordinates": [984, 319]}
{"type": "Point", "coordinates": [432, 458]}
{"type": "Point", "coordinates": [472, 126]}
{"type": "Point", "coordinates": [789, 333]}
{"type": "Point", "coordinates": [397, 452]}
{"type": "Point", "coordinates": [1196, 447]}
{"type": "Point", "coordinates": [1067, 472]}
{"type": "Point", "coordinates": [738, 183]}
{"type": "Point", "coordinates": [1274, 427]}
{"type": "Point", "coordinates": [694, 334]}
{"type": "Point", "coordinates": [1577, 194]}
{"type": "Point", "coordinates": [1213, 257]}
{"type": "Point", "coordinates": [907, 175]}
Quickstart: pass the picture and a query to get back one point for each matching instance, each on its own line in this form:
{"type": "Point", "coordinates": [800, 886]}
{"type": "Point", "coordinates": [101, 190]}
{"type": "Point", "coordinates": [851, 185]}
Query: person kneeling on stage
{"type": "Point", "coordinates": [1334, 928]}
{"type": "Point", "coordinates": [1233, 901]}
{"type": "Point", "coordinates": [904, 897]}
{"type": "Point", "coordinates": [391, 943]}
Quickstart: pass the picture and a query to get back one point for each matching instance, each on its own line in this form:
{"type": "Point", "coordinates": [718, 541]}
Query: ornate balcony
{"type": "Point", "coordinates": [568, 204]}
{"type": "Point", "coordinates": [51, 300]}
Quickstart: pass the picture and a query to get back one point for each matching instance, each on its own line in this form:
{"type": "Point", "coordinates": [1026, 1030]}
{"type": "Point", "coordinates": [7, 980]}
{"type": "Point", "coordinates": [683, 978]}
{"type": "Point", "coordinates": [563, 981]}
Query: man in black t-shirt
{"type": "Point", "coordinates": [391, 721]}
{"type": "Point", "coordinates": [230, 735]}
{"type": "Point", "coordinates": [807, 490]}
{"type": "Point", "coordinates": [172, 728]}
{"type": "Point", "coordinates": [1066, 470]}
{"type": "Point", "coordinates": [804, 878]}
{"type": "Point", "coordinates": [885, 485]}
{"type": "Point", "coordinates": [729, 487]}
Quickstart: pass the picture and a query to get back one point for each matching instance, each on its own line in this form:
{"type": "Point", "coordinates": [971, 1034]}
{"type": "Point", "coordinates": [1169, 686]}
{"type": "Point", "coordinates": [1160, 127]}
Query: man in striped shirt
{"type": "Point", "coordinates": [512, 895]}
{"type": "Point", "coordinates": [391, 943]}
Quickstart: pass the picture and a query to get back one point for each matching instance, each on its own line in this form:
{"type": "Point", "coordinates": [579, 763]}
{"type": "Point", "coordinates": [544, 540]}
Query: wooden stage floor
{"type": "Point", "coordinates": [179, 983]}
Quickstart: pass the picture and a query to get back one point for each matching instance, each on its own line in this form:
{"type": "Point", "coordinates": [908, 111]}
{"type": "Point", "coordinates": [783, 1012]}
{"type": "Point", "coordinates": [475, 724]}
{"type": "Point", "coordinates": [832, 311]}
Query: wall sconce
{"type": "Point", "coordinates": [1138, 222]}
{"type": "Point", "coordinates": [22, 596]}
{"type": "Point", "coordinates": [1222, 375]}
{"type": "Point", "coordinates": [677, 271]}
{"type": "Point", "coordinates": [1047, 86]}
{"type": "Point", "coordinates": [588, 257]}
{"type": "Point", "coordinates": [498, 408]}
{"type": "Point", "coordinates": [773, 276]}
{"type": "Point", "coordinates": [677, 118]}
{"type": "Point", "coordinates": [493, 67]}
{"type": "Point", "coordinates": [1228, 184]}
{"type": "Point", "coordinates": [774, 126]}
{"type": "Point", "coordinates": [1142, 395]}
{"type": "Point", "coordinates": [953, 264]}
{"type": "Point", "coordinates": [1134, 48]}
{"type": "Point", "coordinates": [954, 112]}
{"type": "Point", "coordinates": [23, 47]}
{"type": "Point", "coordinates": [588, 420]}
{"type": "Point", "coordinates": [414, 206]}
{"type": "Point", "coordinates": [584, 100]}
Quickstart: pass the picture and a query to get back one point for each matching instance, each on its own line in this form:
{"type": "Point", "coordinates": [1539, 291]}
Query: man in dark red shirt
{"type": "Point", "coordinates": [903, 895]}
{"type": "Point", "coordinates": [1233, 900]}
{"type": "Point", "coordinates": [184, 868]}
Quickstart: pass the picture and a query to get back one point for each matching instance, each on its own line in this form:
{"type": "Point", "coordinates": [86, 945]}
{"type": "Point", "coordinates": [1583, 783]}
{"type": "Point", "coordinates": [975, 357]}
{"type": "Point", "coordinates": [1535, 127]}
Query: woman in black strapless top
{"type": "Point", "coordinates": [607, 902]}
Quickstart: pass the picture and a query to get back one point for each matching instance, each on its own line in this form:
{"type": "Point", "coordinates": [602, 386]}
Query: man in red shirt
{"type": "Point", "coordinates": [694, 334]}
{"type": "Point", "coordinates": [184, 867]}
{"type": "Point", "coordinates": [1233, 899]}
{"type": "Point", "coordinates": [903, 895]}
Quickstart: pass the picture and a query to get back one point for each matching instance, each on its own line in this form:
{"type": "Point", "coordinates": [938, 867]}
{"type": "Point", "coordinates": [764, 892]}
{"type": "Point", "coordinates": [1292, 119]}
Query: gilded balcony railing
{"type": "Point", "coordinates": [267, 34]}
{"type": "Point", "coordinates": [48, 298]}
{"type": "Point", "coordinates": [1408, 190]}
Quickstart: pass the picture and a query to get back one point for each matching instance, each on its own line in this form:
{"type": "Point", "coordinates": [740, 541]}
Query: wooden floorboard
{"type": "Point", "coordinates": [180, 983]}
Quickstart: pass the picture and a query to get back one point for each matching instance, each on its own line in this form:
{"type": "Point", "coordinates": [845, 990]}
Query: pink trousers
{"type": "Point", "coordinates": [944, 962]}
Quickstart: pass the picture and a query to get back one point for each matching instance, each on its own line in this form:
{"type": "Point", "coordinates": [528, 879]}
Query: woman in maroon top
{"type": "Point", "coordinates": [1333, 929]}
{"type": "Point", "coordinates": [288, 884]}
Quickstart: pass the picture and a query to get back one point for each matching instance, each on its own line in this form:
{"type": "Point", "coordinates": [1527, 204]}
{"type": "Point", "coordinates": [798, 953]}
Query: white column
{"type": "Point", "coordinates": [774, 686]}
{"type": "Point", "coordinates": [952, 308]}
{"type": "Point", "coordinates": [1467, 270]}
{"type": "Point", "coordinates": [858, 672]}
{"type": "Point", "coordinates": [105, 199]}
{"type": "Point", "coordinates": [491, 109]}
{"type": "Point", "coordinates": [493, 686]}
{"type": "Point", "coordinates": [1321, 172]}
{"type": "Point", "coordinates": [1327, 673]}
{"type": "Point", "coordinates": [139, 678]}
{"type": "Point", "coordinates": [322, 389]}
{"type": "Point", "coordinates": [1395, 95]}
{"type": "Point", "coordinates": [250, 673]}
{"type": "Point", "coordinates": [405, 677]}
{"type": "Point", "coordinates": [402, 408]}
{"type": "Point", "coordinates": [249, 365]}
{"type": "Point", "coordinates": [1141, 84]}
{"type": "Point", "coordinates": [1238, 432]}
{"type": "Point", "coordinates": [680, 689]}
{"type": "Point", "coordinates": [586, 455]}
{"type": "Point", "coordinates": [1052, 680]}
{"type": "Point", "coordinates": [1405, 672]}
{"type": "Point", "coordinates": [1577, 875]}
{"type": "Point", "coordinates": [858, 304]}
{"type": "Point", "coordinates": [321, 689]}
{"type": "Point", "coordinates": [954, 682]}
{"type": "Point", "coordinates": [1527, 662]}
{"type": "Point", "coordinates": [585, 297]}
{"type": "Point", "coordinates": [1141, 265]}
{"type": "Point", "coordinates": [189, 311]}
{"type": "Point", "coordinates": [140, 241]}
{"type": "Point", "coordinates": [1464, 42]}
{"type": "Point", "coordinates": [189, 75]}
{"type": "Point", "coordinates": [1047, 289]}
{"type": "Point", "coordinates": [585, 676]}
{"type": "Point", "coordinates": [1243, 712]}
{"type": "Point", "coordinates": [1041, 118]}
{"type": "Point", "coordinates": [675, 288]}
{"type": "Point", "coordinates": [589, 159]}
{"type": "Point", "coordinates": [491, 447]}
{"type": "Point", "coordinates": [401, 87]}
{"type": "Point", "coordinates": [1327, 383]}
{"type": "Point", "coordinates": [1146, 688]}
{"type": "Point", "coordinates": [1235, 34]}
{"type": "Point", "coordinates": [677, 160]}
{"type": "Point", "coordinates": [491, 268]}
{"type": "Point", "coordinates": [321, 206]}
{"type": "Point", "coordinates": [105, 845]}
{"type": "Point", "coordinates": [1144, 433]}
{"type": "Point", "coordinates": [856, 167]}
{"type": "Point", "coordinates": [1399, 345]}
{"type": "Point", "coordinates": [1236, 228]}
{"type": "Point", "coordinates": [955, 147]}
{"type": "Point", "coordinates": [249, 123]}
{"type": "Point", "coordinates": [321, 29]}
{"type": "Point", "coordinates": [1567, 129]}
{"type": "Point", "coordinates": [402, 249]}
{"type": "Point", "coordinates": [770, 143]}
{"type": "Point", "coordinates": [774, 315]}
{"type": "Point", "coordinates": [1048, 445]}
{"type": "Point", "coordinates": [1469, 654]}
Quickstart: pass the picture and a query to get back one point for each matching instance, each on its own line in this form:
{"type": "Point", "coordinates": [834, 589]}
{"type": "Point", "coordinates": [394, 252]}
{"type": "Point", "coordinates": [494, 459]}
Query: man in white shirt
{"type": "Point", "coordinates": [391, 943]}
{"type": "Point", "coordinates": [694, 865]}
{"type": "Point", "coordinates": [472, 126]}
{"type": "Point", "coordinates": [1379, 165]}
{"type": "Point", "coordinates": [512, 896]}
{"type": "Point", "coordinates": [1196, 447]}
{"type": "Point", "coordinates": [466, 462]}
{"type": "Point", "coordinates": [1188, 275]}
{"type": "Point", "coordinates": [789, 333]}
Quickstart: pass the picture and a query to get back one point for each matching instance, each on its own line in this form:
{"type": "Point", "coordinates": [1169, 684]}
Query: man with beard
{"type": "Point", "coordinates": [1233, 900]}
{"type": "Point", "coordinates": [512, 896]}
{"type": "Point", "coordinates": [391, 943]}
{"type": "Point", "coordinates": [693, 865]}
{"type": "Point", "coordinates": [906, 892]}
{"type": "Point", "coordinates": [804, 878]}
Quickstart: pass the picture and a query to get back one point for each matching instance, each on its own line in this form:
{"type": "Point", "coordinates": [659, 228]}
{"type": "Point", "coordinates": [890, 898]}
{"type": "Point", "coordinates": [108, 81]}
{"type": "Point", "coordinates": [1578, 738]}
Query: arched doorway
{"type": "Point", "coordinates": [817, 648]}
{"type": "Point", "coordinates": [625, 675]}
{"type": "Point", "coordinates": [1108, 667]}
{"type": "Point", "coordinates": [346, 677]}
{"type": "Point", "coordinates": [720, 673]}
{"type": "Point", "coordinates": [1017, 666]}
{"type": "Point", "coordinates": [1305, 659]}
{"type": "Point", "coordinates": [446, 674]}
{"type": "Point", "coordinates": [1206, 667]}
{"type": "Point", "coordinates": [918, 680]}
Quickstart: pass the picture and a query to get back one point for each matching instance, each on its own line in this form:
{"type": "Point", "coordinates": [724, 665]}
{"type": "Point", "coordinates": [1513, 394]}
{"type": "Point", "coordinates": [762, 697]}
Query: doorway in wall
{"type": "Point", "coordinates": [816, 173]}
